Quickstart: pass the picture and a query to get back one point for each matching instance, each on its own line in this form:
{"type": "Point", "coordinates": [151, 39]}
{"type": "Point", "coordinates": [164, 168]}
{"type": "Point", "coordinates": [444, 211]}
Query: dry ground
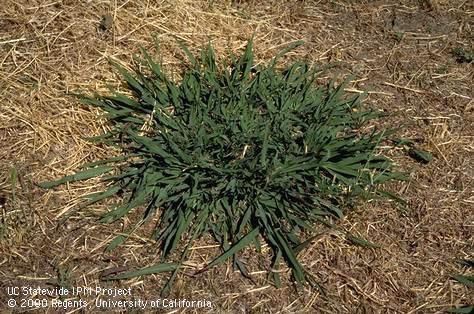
{"type": "Point", "coordinates": [400, 51]}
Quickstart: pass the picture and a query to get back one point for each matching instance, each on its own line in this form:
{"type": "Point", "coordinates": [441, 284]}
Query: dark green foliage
{"type": "Point", "coordinates": [468, 281]}
{"type": "Point", "coordinates": [413, 151]}
{"type": "Point", "coordinates": [420, 155]}
{"type": "Point", "coordinates": [242, 152]}
{"type": "Point", "coordinates": [462, 310]}
{"type": "Point", "coordinates": [463, 55]}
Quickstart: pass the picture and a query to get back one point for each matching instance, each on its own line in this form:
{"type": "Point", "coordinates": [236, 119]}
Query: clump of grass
{"type": "Point", "coordinates": [243, 152]}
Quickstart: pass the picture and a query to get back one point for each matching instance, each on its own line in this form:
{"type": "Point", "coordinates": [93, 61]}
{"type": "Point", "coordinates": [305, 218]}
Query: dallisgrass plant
{"type": "Point", "coordinates": [240, 151]}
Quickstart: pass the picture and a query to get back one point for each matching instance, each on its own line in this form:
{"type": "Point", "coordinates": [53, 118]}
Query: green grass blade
{"type": "Point", "coordinates": [155, 269]}
{"type": "Point", "coordinates": [242, 243]}
{"type": "Point", "coordinates": [465, 280]}
{"type": "Point", "coordinates": [82, 175]}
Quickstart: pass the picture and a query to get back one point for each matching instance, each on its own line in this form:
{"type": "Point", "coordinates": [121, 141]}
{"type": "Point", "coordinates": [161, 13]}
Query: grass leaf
{"type": "Point", "coordinates": [82, 175]}
{"type": "Point", "coordinates": [155, 269]}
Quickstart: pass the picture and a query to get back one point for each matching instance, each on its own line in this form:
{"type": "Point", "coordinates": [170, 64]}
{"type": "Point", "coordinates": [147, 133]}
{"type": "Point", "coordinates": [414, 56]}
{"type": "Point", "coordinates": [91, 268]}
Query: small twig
{"type": "Point", "coordinates": [404, 87]}
{"type": "Point", "coordinates": [440, 152]}
{"type": "Point", "coordinates": [426, 38]}
{"type": "Point", "coordinates": [353, 90]}
{"type": "Point", "coordinates": [12, 41]}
